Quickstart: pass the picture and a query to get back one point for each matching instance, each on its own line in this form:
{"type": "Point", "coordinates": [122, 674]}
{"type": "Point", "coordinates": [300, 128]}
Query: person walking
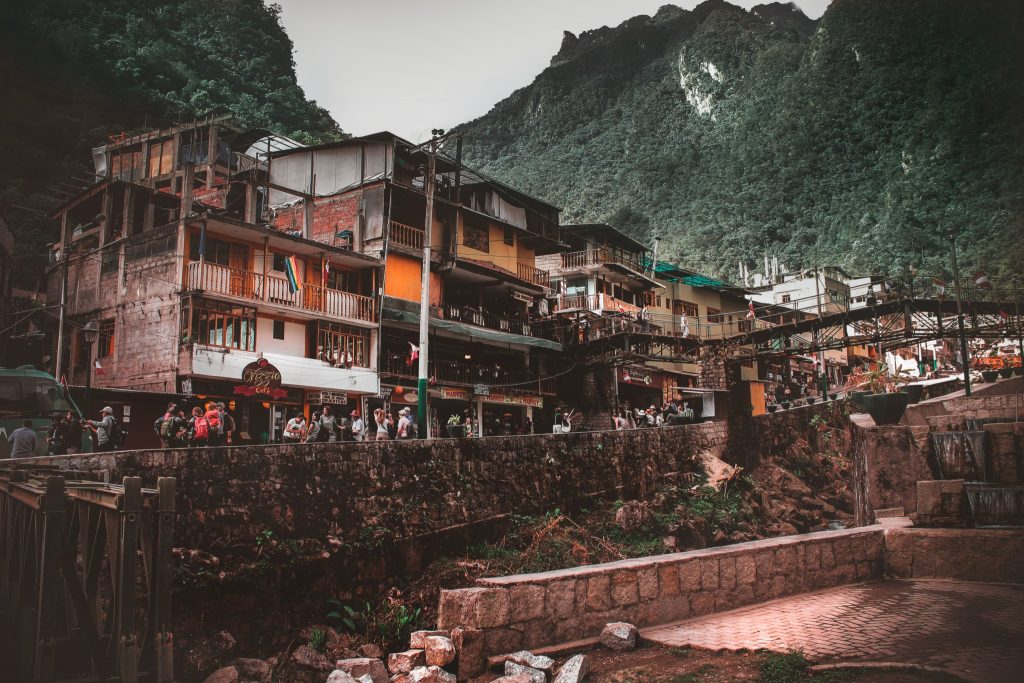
{"type": "Point", "coordinates": [166, 425]}
{"type": "Point", "coordinates": [381, 419]}
{"type": "Point", "coordinates": [358, 427]}
{"type": "Point", "coordinates": [104, 429]}
{"type": "Point", "coordinates": [198, 429]}
{"type": "Point", "coordinates": [295, 430]}
{"type": "Point", "coordinates": [227, 424]}
{"type": "Point", "coordinates": [23, 441]}
{"type": "Point", "coordinates": [73, 427]}
{"type": "Point", "coordinates": [328, 425]}
{"type": "Point", "coordinates": [58, 436]}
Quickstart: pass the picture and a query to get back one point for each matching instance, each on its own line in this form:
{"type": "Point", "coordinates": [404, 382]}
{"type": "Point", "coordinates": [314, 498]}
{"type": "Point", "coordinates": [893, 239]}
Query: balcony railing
{"type": "Point", "coordinates": [598, 303]}
{"type": "Point", "coordinates": [495, 376]}
{"type": "Point", "coordinates": [534, 275]}
{"type": "Point", "coordinates": [595, 257]}
{"type": "Point", "coordinates": [406, 235]}
{"type": "Point", "coordinates": [252, 286]}
{"type": "Point", "coordinates": [483, 318]}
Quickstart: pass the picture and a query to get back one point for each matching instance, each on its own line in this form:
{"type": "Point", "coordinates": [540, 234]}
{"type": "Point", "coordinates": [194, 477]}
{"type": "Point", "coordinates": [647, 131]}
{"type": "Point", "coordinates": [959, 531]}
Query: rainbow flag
{"type": "Point", "coordinates": [291, 271]}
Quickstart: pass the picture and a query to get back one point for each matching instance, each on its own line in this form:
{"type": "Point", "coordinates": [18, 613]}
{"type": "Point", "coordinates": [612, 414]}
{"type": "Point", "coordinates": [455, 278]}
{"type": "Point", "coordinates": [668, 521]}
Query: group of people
{"type": "Point", "coordinates": [209, 425]}
{"type": "Point", "coordinates": [325, 427]}
{"type": "Point", "coordinates": [65, 434]}
{"type": "Point", "coordinates": [671, 413]}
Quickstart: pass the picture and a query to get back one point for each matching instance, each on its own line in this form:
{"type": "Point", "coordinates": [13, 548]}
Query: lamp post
{"type": "Point", "coordinates": [90, 331]}
{"type": "Point", "coordinates": [960, 317]}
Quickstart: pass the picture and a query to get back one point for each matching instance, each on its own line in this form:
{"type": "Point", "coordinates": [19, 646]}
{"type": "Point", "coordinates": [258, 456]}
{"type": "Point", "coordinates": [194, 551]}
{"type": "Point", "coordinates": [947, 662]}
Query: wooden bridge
{"type": "Point", "coordinates": [85, 578]}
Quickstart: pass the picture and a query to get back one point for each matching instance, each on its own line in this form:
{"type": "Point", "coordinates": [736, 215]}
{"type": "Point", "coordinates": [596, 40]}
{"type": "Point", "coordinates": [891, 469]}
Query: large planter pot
{"type": "Point", "coordinates": [886, 409]}
{"type": "Point", "coordinates": [771, 408]}
{"type": "Point", "coordinates": [811, 400]}
{"type": "Point", "coordinates": [989, 375]}
{"type": "Point", "coordinates": [833, 397]}
{"type": "Point", "coordinates": [1018, 370]}
{"type": "Point", "coordinates": [857, 397]}
{"type": "Point", "coordinates": [1006, 373]}
{"type": "Point", "coordinates": [457, 431]}
{"type": "Point", "coordinates": [785, 405]}
{"type": "Point", "coordinates": [914, 391]}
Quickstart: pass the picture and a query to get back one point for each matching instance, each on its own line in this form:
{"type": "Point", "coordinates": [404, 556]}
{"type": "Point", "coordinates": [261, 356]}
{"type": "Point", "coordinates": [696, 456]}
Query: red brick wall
{"type": "Point", "coordinates": [330, 216]}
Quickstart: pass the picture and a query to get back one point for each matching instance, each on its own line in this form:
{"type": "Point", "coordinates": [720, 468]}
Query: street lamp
{"type": "Point", "coordinates": [89, 332]}
{"type": "Point", "coordinates": [952, 235]}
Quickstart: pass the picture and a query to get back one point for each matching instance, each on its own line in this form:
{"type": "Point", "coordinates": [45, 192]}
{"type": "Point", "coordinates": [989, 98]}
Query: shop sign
{"type": "Point", "coordinates": [516, 400]}
{"type": "Point", "coordinates": [332, 398]}
{"type": "Point", "coordinates": [385, 393]}
{"type": "Point", "coordinates": [260, 378]}
{"type": "Point", "coordinates": [455, 393]}
{"type": "Point", "coordinates": [525, 298]}
{"type": "Point", "coordinates": [186, 387]}
{"type": "Point", "coordinates": [633, 377]}
{"type": "Point", "coordinates": [482, 390]}
{"type": "Point", "coordinates": [410, 397]}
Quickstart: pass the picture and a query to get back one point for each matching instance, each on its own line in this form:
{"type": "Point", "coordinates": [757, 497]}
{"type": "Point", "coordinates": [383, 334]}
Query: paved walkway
{"type": "Point", "coordinates": [973, 630]}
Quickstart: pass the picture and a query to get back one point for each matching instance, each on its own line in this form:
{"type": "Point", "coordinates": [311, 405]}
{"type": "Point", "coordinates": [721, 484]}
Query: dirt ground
{"type": "Point", "coordinates": [654, 664]}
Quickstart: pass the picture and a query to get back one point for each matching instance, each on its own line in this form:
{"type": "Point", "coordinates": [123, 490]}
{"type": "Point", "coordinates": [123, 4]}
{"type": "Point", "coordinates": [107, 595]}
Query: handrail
{"type": "Point", "coordinates": [596, 257]}
{"type": "Point", "coordinates": [252, 286]}
{"type": "Point", "coordinates": [458, 372]}
{"type": "Point", "coordinates": [406, 235]}
{"type": "Point", "coordinates": [534, 275]}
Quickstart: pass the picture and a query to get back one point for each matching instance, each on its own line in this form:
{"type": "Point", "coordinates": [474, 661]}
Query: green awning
{"type": "Point", "coordinates": [399, 310]}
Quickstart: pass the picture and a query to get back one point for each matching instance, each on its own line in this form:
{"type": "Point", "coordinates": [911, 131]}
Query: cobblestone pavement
{"type": "Point", "coordinates": [973, 630]}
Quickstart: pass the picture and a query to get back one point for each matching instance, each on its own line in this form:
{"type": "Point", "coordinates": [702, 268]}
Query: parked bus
{"type": "Point", "coordinates": [30, 394]}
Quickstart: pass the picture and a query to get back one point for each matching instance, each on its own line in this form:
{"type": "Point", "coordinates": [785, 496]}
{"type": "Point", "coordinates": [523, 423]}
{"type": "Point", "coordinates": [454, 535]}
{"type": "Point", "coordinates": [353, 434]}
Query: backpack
{"type": "Point", "coordinates": [167, 429]}
{"type": "Point", "coordinates": [117, 435]}
{"type": "Point", "coordinates": [213, 419]}
{"type": "Point", "coordinates": [201, 429]}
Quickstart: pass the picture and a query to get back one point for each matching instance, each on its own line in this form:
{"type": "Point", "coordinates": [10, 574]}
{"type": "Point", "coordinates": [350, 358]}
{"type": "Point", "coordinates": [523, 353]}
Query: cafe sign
{"type": "Point", "coordinates": [516, 400]}
{"type": "Point", "coordinates": [455, 393]}
{"type": "Point", "coordinates": [335, 398]}
{"type": "Point", "coordinates": [260, 378]}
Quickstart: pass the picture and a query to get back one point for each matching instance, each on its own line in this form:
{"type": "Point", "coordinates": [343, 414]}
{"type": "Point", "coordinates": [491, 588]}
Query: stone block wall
{"type": "Point", "coordinates": [887, 462]}
{"type": "Point", "coordinates": [532, 610]}
{"type": "Point", "coordinates": [960, 554]}
{"type": "Point", "coordinates": [941, 503]}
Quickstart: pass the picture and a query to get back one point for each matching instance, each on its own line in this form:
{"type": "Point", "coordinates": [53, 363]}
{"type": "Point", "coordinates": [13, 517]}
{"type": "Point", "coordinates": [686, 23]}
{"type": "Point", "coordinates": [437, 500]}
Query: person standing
{"type": "Point", "coordinates": [358, 427]}
{"type": "Point", "coordinates": [198, 429]}
{"type": "Point", "coordinates": [167, 426]}
{"type": "Point", "coordinates": [216, 426]}
{"type": "Point", "coordinates": [381, 419]}
{"type": "Point", "coordinates": [23, 441]}
{"type": "Point", "coordinates": [405, 423]}
{"type": "Point", "coordinates": [313, 433]}
{"type": "Point", "coordinates": [295, 430]}
{"type": "Point", "coordinates": [73, 427]}
{"type": "Point", "coordinates": [328, 425]}
{"type": "Point", "coordinates": [227, 424]}
{"type": "Point", "coordinates": [686, 413]}
{"type": "Point", "coordinates": [104, 430]}
{"type": "Point", "coordinates": [58, 436]}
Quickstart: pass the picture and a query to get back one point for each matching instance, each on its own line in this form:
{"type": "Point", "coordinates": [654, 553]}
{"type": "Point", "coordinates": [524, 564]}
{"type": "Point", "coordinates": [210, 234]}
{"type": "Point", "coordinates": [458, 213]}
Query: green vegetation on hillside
{"type": "Point", "coordinates": [78, 71]}
{"type": "Point", "coordinates": [732, 134]}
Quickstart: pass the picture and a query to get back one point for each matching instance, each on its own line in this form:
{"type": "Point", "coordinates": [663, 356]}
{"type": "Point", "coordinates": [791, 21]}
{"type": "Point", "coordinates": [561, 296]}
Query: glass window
{"type": "Point", "coordinates": [217, 251]}
{"type": "Point", "coordinates": [342, 346]}
{"type": "Point", "coordinates": [105, 347]}
{"type": "Point", "coordinates": [222, 324]}
{"type": "Point", "coordinates": [475, 233]}
{"type": "Point", "coordinates": [681, 307]}
{"type": "Point", "coordinates": [278, 329]}
{"type": "Point", "coordinates": [509, 237]}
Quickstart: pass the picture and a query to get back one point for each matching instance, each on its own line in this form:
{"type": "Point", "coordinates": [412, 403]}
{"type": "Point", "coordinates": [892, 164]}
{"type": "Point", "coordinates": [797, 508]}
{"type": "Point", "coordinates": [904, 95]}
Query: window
{"type": "Point", "coordinates": [161, 157]}
{"type": "Point", "coordinates": [278, 329]}
{"type": "Point", "coordinates": [510, 236]}
{"type": "Point", "coordinates": [341, 280]}
{"type": "Point", "coordinates": [105, 345]}
{"type": "Point", "coordinates": [109, 258]}
{"type": "Point", "coordinates": [227, 325]}
{"type": "Point", "coordinates": [278, 262]}
{"type": "Point", "coordinates": [217, 251]}
{"type": "Point", "coordinates": [714, 315]}
{"type": "Point", "coordinates": [342, 346]}
{"type": "Point", "coordinates": [785, 298]}
{"type": "Point", "coordinates": [680, 307]}
{"type": "Point", "coordinates": [475, 233]}
{"type": "Point", "coordinates": [575, 287]}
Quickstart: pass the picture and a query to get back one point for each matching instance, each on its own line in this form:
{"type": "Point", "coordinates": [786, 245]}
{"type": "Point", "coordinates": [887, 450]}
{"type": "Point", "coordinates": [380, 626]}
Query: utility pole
{"type": "Point", "coordinates": [424, 368]}
{"type": "Point", "coordinates": [1020, 323]}
{"type": "Point", "coordinates": [823, 379]}
{"type": "Point", "coordinates": [965, 359]}
{"type": "Point", "coordinates": [65, 259]}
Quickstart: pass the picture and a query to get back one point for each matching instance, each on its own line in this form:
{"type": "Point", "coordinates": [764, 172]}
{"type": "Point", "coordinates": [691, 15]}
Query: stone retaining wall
{"type": "Point", "coordinates": [961, 554]}
{"type": "Point", "coordinates": [887, 462]}
{"type": "Point", "coordinates": [532, 610]}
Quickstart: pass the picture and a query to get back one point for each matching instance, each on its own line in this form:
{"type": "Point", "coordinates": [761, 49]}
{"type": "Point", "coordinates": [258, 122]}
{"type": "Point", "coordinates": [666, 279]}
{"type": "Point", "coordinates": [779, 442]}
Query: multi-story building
{"type": "Point", "coordinates": [192, 296]}
{"type": "Point", "coordinates": [490, 351]}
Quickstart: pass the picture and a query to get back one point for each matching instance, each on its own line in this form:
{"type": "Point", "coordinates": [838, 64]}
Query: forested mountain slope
{"type": "Point", "coordinates": [857, 140]}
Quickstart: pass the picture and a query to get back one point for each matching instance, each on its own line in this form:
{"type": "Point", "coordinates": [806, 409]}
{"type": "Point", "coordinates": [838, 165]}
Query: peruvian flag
{"type": "Point", "coordinates": [981, 280]}
{"type": "Point", "coordinates": [99, 368]}
{"type": "Point", "coordinates": [750, 311]}
{"type": "Point", "coordinates": [1003, 314]}
{"type": "Point", "coordinates": [327, 271]}
{"type": "Point", "coordinates": [414, 353]}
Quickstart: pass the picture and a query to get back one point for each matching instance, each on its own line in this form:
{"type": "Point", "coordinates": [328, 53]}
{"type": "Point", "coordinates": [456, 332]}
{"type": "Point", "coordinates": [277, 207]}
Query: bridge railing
{"type": "Point", "coordinates": [85, 577]}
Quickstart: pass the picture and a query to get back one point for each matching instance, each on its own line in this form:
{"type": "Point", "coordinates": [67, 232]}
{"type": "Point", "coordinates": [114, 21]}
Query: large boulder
{"type": "Point", "coordinates": [339, 676]}
{"type": "Point", "coordinates": [540, 662]}
{"type": "Point", "coordinates": [417, 639]}
{"type": "Point", "coordinates": [439, 650]}
{"type": "Point", "coordinates": [430, 674]}
{"type": "Point", "coordinates": [363, 666]}
{"type": "Point", "coordinates": [228, 674]}
{"type": "Point", "coordinates": [370, 650]}
{"type": "Point", "coordinates": [536, 675]}
{"type": "Point", "coordinates": [619, 635]}
{"type": "Point", "coordinates": [253, 670]}
{"type": "Point", "coordinates": [307, 658]}
{"type": "Point", "coordinates": [404, 662]}
{"type": "Point", "coordinates": [633, 515]}
{"type": "Point", "coordinates": [573, 670]}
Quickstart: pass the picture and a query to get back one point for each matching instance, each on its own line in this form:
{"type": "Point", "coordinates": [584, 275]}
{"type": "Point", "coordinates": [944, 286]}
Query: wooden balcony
{"type": "Point", "coordinates": [406, 235]}
{"type": "Point", "coordinates": [597, 303]}
{"type": "Point", "coordinates": [579, 260]}
{"type": "Point", "coordinates": [257, 288]}
{"type": "Point", "coordinates": [534, 275]}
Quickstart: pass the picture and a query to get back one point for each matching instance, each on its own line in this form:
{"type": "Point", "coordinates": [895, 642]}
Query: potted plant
{"type": "Point", "coordinates": [456, 429]}
{"type": "Point", "coordinates": [990, 376]}
{"type": "Point", "coordinates": [915, 391]}
{"type": "Point", "coordinates": [833, 397]}
{"type": "Point", "coordinates": [885, 402]}
{"type": "Point", "coordinates": [811, 400]}
{"type": "Point", "coordinates": [1006, 372]}
{"type": "Point", "coordinates": [771, 407]}
{"type": "Point", "coordinates": [785, 405]}
{"type": "Point", "coordinates": [1018, 370]}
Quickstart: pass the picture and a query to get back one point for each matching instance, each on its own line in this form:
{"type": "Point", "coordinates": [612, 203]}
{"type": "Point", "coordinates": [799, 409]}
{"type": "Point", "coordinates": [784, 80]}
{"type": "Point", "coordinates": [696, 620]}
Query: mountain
{"type": "Point", "coordinates": [76, 71]}
{"type": "Point", "coordinates": [857, 140]}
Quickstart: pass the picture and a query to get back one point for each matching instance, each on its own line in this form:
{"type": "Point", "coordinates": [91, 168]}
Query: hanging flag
{"type": "Point", "coordinates": [750, 311]}
{"type": "Point", "coordinates": [981, 280]}
{"type": "Point", "coordinates": [940, 286]}
{"type": "Point", "coordinates": [414, 353]}
{"type": "Point", "coordinates": [326, 272]}
{"type": "Point", "coordinates": [1003, 314]}
{"type": "Point", "coordinates": [291, 271]}
{"type": "Point", "coordinates": [64, 383]}
{"type": "Point", "coordinates": [99, 368]}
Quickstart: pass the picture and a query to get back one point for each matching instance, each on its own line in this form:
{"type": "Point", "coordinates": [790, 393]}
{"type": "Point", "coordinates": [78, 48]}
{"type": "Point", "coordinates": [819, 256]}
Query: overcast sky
{"type": "Point", "coordinates": [412, 65]}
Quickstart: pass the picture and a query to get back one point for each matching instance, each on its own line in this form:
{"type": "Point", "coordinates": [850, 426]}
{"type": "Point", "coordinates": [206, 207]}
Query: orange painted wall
{"type": "Point", "coordinates": [402, 279]}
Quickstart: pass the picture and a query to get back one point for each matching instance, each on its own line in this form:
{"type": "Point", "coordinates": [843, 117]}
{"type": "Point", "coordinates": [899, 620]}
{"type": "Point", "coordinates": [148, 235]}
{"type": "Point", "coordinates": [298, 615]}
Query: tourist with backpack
{"type": "Point", "coordinates": [164, 425]}
{"type": "Point", "coordinates": [107, 430]}
{"type": "Point", "coordinates": [216, 427]}
{"type": "Point", "coordinates": [198, 429]}
{"type": "Point", "coordinates": [227, 424]}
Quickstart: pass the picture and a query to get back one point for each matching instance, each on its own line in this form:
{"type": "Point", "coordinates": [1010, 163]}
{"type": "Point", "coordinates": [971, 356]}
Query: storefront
{"type": "Point", "coordinates": [640, 387]}
{"type": "Point", "coordinates": [504, 414]}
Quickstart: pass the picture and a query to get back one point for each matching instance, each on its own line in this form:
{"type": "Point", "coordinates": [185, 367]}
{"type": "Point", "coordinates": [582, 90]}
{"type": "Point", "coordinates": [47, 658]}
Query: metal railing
{"type": "Point", "coordinates": [252, 286]}
{"type": "Point", "coordinates": [85, 577]}
{"type": "Point", "coordinates": [484, 318]}
{"type": "Point", "coordinates": [494, 376]}
{"type": "Point", "coordinates": [406, 235]}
